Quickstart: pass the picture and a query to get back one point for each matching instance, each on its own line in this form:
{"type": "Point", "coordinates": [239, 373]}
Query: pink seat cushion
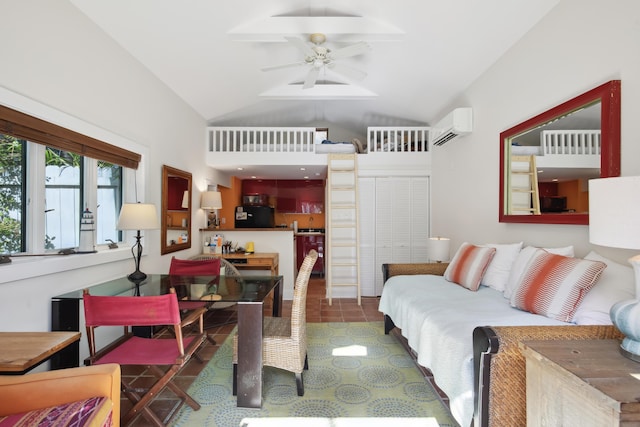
{"type": "Point", "coordinates": [76, 414]}
{"type": "Point", "coordinates": [145, 351]}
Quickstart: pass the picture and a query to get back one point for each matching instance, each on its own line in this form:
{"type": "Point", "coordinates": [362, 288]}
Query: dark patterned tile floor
{"type": "Point", "coordinates": [318, 310]}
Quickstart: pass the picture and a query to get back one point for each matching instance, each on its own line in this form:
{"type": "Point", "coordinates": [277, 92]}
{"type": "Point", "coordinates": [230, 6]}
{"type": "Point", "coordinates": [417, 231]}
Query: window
{"type": "Point", "coordinates": [48, 176]}
{"type": "Point", "coordinates": [109, 202]}
{"type": "Point", "coordinates": [65, 186]}
{"type": "Point", "coordinates": [62, 198]}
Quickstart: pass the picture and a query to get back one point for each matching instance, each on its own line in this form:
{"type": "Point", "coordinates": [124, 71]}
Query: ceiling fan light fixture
{"type": "Point", "coordinates": [317, 57]}
{"type": "Point", "coordinates": [317, 38]}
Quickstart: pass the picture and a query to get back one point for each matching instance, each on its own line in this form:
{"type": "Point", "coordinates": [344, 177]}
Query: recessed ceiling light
{"type": "Point", "coordinates": [303, 169]}
{"type": "Point", "coordinates": [240, 169]}
{"type": "Point", "coordinates": [253, 177]}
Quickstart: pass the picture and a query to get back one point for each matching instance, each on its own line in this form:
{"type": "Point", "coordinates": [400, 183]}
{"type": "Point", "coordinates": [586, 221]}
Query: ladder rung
{"type": "Point", "coordinates": [343, 207]}
{"type": "Point", "coordinates": [343, 245]}
{"type": "Point", "coordinates": [344, 264]}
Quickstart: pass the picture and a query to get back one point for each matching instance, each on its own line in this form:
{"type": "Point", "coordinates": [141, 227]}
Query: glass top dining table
{"type": "Point", "coordinates": [247, 288]}
{"type": "Point", "coordinates": [249, 291]}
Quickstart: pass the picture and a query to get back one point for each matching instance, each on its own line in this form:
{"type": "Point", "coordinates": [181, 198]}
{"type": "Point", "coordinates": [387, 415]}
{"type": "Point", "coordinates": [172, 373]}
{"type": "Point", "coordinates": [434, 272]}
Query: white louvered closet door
{"type": "Point", "coordinates": [367, 223]}
{"type": "Point", "coordinates": [394, 224]}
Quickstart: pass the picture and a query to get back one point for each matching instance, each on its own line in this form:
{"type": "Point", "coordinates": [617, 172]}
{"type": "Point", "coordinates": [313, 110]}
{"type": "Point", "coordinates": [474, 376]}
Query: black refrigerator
{"type": "Point", "coordinates": [254, 217]}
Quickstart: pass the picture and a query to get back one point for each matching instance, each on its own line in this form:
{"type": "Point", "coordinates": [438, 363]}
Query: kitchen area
{"type": "Point", "coordinates": [285, 217]}
{"type": "Point", "coordinates": [286, 204]}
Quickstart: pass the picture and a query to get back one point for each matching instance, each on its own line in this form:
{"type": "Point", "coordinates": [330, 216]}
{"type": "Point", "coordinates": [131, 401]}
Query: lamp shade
{"type": "Point", "coordinates": [138, 216]}
{"type": "Point", "coordinates": [438, 249]}
{"type": "Point", "coordinates": [614, 212]}
{"type": "Point", "coordinates": [211, 200]}
{"type": "Point", "coordinates": [185, 200]}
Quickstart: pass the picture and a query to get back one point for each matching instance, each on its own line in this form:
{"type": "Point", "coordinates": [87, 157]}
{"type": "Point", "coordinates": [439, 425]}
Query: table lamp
{"type": "Point", "coordinates": [614, 220]}
{"type": "Point", "coordinates": [211, 200]}
{"type": "Point", "coordinates": [438, 249]}
{"type": "Point", "coordinates": [138, 216]}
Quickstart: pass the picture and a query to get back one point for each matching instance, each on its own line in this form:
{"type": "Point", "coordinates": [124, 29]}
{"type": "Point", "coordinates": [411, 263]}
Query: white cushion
{"type": "Point", "coordinates": [617, 283]}
{"type": "Point", "coordinates": [521, 262]}
{"type": "Point", "coordinates": [497, 273]}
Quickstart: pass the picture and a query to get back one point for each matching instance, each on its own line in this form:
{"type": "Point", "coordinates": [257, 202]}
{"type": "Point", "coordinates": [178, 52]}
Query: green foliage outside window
{"type": "Point", "coordinates": [11, 174]}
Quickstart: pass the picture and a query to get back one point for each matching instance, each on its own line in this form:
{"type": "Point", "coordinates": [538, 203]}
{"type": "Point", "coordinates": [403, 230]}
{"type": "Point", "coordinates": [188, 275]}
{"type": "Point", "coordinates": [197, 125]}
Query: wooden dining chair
{"type": "Point", "coordinates": [284, 342]}
{"type": "Point", "coordinates": [163, 357]}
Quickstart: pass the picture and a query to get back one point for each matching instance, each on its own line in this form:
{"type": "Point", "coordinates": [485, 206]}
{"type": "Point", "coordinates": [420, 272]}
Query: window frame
{"type": "Point", "coordinates": [134, 185]}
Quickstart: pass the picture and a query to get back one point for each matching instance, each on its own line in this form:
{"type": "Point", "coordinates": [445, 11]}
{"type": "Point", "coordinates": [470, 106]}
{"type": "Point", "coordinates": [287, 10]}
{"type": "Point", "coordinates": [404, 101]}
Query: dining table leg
{"type": "Point", "coordinates": [250, 328]}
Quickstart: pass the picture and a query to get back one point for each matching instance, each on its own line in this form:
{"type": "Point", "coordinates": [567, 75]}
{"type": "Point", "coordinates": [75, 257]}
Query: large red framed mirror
{"type": "Point", "coordinates": [551, 157]}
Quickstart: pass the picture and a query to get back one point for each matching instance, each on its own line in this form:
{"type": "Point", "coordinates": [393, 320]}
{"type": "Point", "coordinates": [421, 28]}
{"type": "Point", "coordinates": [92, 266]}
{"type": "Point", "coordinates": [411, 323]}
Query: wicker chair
{"type": "Point", "coordinates": [230, 269]}
{"type": "Point", "coordinates": [284, 343]}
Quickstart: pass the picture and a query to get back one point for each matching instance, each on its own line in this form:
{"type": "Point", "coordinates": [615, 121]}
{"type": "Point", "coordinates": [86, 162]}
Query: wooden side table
{"type": "Point", "coordinates": [256, 261]}
{"type": "Point", "coordinates": [23, 351]}
{"type": "Point", "coordinates": [581, 383]}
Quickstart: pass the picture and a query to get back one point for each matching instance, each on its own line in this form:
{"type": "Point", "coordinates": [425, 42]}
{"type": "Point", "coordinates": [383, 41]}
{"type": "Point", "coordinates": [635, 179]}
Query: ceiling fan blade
{"type": "Point", "coordinates": [300, 44]}
{"type": "Point", "coordinates": [310, 81]}
{"type": "Point", "coordinates": [351, 50]}
{"type": "Point", "coordinates": [276, 67]}
{"type": "Point", "coordinates": [349, 72]}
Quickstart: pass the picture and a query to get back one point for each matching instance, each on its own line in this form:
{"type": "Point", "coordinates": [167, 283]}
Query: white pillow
{"type": "Point", "coordinates": [617, 283]}
{"type": "Point", "coordinates": [498, 270]}
{"type": "Point", "coordinates": [521, 263]}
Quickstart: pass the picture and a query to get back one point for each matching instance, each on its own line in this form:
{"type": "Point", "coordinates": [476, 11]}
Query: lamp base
{"type": "Point", "coordinates": [628, 354]}
{"type": "Point", "coordinates": [625, 315]}
{"type": "Point", "coordinates": [137, 277]}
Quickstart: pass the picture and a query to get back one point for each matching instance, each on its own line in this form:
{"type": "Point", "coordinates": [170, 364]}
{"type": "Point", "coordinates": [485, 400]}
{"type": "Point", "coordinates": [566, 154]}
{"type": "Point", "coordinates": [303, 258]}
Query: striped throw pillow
{"type": "Point", "coordinates": [554, 285]}
{"type": "Point", "coordinates": [468, 265]}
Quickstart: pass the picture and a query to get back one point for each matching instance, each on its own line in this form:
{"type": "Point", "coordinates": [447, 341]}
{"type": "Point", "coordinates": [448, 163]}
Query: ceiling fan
{"type": "Point", "coordinates": [317, 57]}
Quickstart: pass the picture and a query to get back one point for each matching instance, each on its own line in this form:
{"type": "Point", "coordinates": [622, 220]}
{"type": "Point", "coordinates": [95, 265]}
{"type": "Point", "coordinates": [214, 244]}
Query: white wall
{"type": "Point", "coordinates": [53, 56]}
{"type": "Point", "coordinates": [577, 46]}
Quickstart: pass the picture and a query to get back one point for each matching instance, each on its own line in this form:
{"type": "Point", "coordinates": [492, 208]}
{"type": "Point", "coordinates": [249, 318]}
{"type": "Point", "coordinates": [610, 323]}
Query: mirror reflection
{"type": "Point", "coordinates": [546, 162]}
{"type": "Point", "coordinates": [176, 210]}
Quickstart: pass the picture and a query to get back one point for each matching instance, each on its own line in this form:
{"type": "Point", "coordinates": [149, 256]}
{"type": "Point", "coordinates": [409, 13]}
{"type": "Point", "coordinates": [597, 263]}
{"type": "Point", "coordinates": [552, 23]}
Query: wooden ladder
{"type": "Point", "coordinates": [343, 235]}
{"type": "Point", "coordinates": [524, 196]}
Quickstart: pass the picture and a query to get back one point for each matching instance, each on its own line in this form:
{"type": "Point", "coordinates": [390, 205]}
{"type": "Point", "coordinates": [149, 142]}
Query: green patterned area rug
{"type": "Point", "coordinates": [354, 371]}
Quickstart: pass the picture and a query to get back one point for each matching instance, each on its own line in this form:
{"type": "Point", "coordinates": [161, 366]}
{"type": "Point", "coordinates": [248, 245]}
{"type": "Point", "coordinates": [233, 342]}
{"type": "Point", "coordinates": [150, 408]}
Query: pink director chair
{"type": "Point", "coordinates": [164, 357]}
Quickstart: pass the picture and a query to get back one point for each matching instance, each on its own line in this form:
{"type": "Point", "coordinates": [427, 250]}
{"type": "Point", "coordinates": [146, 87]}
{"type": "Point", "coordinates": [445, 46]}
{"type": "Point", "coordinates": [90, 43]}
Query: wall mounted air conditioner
{"type": "Point", "coordinates": [456, 123]}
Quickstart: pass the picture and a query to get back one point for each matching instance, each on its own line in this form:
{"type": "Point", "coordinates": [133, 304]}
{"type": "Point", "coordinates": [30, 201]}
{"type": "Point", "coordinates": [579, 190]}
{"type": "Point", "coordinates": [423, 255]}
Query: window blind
{"type": "Point", "coordinates": [24, 126]}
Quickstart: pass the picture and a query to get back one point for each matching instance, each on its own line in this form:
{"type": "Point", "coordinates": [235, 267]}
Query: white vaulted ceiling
{"type": "Point", "coordinates": [423, 54]}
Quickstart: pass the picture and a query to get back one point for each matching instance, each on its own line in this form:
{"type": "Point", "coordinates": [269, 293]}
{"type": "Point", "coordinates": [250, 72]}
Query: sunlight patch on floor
{"type": "Point", "coordinates": [350, 350]}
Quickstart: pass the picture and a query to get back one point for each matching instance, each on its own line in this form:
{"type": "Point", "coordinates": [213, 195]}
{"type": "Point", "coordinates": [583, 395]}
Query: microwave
{"type": "Point", "coordinates": [255, 200]}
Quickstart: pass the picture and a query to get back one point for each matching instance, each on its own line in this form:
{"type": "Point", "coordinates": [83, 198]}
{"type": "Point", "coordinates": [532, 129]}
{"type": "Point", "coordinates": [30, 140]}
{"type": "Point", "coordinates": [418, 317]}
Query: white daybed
{"type": "Point", "coordinates": [468, 339]}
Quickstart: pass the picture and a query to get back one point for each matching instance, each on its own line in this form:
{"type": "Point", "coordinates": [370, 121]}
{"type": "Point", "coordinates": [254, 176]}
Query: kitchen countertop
{"type": "Point", "coordinates": [222, 230]}
{"type": "Point", "coordinates": [300, 232]}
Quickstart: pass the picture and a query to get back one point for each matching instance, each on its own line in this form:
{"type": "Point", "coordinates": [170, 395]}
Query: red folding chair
{"type": "Point", "coordinates": [164, 357]}
{"type": "Point", "coordinates": [200, 267]}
